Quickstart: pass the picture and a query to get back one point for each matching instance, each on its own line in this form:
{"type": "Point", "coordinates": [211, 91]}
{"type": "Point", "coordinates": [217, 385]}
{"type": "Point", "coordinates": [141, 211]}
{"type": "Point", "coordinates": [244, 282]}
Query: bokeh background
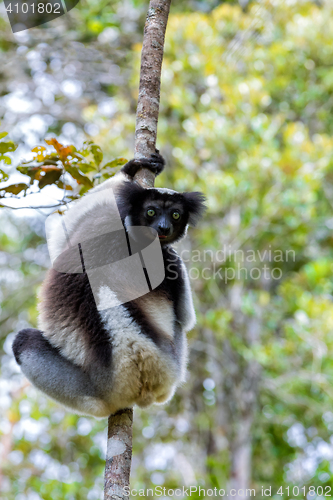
{"type": "Point", "coordinates": [246, 117]}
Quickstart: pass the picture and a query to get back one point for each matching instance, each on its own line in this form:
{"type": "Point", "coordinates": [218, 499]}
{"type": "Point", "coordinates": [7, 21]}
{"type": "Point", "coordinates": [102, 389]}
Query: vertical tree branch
{"type": "Point", "coordinates": [118, 455]}
{"type": "Point", "coordinates": [150, 83]}
{"type": "Point", "coordinates": [119, 450]}
{"type": "Point", "coordinates": [242, 403]}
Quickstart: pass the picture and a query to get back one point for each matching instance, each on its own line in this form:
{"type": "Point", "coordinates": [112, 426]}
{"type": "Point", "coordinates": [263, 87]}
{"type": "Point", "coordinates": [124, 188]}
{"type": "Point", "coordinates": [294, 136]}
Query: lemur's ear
{"type": "Point", "coordinates": [195, 204]}
{"type": "Point", "coordinates": [130, 194]}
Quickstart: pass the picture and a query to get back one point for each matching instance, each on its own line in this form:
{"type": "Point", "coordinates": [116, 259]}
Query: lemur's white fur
{"type": "Point", "coordinates": [88, 207]}
{"type": "Point", "coordinates": [142, 371]}
{"type": "Point", "coordinates": [150, 377]}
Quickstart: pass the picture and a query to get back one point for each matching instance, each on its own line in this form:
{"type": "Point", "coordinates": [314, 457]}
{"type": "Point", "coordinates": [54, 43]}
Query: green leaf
{"type": "Point", "coordinates": [97, 153]}
{"type": "Point", "coordinates": [6, 147]}
{"type": "Point", "coordinates": [61, 185]}
{"type": "Point", "coordinates": [32, 172]}
{"type": "Point", "coordinates": [81, 179]}
{"type": "Point", "coordinates": [23, 170]}
{"type": "Point", "coordinates": [115, 163]}
{"type": "Point", "coordinates": [3, 134]}
{"type": "Point", "coordinates": [14, 189]}
{"type": "Point", "coordinates": [3, 176]}
{"type": "Point", "coordinates": [6, 159]}
{"type": "Point", "coordinates": [105, 176]}
{"type": "Point", "coordinates": [49, 178]}
{"type": "Point", "coordinates": [83, 190]}
{"type": "Point", "coordinates": [86, 167]}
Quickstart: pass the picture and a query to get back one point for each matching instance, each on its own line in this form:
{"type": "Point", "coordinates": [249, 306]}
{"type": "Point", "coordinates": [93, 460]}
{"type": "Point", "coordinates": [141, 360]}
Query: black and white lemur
{"type": "Point", "coordinates": [98, 362]}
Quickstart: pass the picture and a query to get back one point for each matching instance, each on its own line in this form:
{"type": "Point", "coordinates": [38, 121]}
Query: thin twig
{"type": "Point", "coordinates": [32, 208]}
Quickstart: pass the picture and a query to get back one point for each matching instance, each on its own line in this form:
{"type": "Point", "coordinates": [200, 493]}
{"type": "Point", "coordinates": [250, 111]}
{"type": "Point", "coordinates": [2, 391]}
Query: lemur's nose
{"type": "Point", "coordinates": [164, 230]}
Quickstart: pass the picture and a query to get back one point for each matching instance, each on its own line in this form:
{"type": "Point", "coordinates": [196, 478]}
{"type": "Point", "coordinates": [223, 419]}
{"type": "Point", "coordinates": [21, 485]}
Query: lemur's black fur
{"type": "Point", "coordinates": [97, 363]}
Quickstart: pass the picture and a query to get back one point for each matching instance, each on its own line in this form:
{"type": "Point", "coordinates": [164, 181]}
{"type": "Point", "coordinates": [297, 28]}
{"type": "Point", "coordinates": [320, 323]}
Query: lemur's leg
{"type": "Point", "coordinates": [60, 379]}
{"type": "Point", "coordinates": [155, 163]}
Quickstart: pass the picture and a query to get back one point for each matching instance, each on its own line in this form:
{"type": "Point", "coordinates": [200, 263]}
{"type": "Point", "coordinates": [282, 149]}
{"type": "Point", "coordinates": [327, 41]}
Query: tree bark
{"type": "Point", "coordinates": [118, 455]}
{"type": "Point", "coordinates": [243, 406]}
{"type": "Point", "coordinates": [150, 83]}
{"type": "Point", "coordinates": [119, 450]}
{"type": "Point", "coordinates": [237, 382]}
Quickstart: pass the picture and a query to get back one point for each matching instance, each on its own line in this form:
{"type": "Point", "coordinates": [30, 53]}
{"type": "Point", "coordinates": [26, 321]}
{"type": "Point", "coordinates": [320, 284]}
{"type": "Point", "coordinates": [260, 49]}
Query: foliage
{"type": "Point", "coordinates": [246, 116]}
{"type": "Point", "coordinates": [5, 147]}
{"type": "Point", "coordinates": [64, 168]}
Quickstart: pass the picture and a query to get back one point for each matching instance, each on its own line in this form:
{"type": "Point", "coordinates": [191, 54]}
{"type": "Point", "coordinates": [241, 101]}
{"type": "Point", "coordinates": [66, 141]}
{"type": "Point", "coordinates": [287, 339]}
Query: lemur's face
{"type": "Point", "coordinates": [166, 211]}
{"type": "Point", "coordinates": [167, 217]}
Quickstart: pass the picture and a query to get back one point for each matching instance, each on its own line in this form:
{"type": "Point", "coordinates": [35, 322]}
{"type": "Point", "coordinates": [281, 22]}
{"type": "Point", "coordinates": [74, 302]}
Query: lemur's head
{"type": "Point", "coordinates": [168, 212]}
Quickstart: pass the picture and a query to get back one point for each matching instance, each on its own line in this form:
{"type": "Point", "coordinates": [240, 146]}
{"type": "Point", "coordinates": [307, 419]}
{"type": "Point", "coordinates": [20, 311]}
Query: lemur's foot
{"type": "Point", "coordinates": [155, 164]}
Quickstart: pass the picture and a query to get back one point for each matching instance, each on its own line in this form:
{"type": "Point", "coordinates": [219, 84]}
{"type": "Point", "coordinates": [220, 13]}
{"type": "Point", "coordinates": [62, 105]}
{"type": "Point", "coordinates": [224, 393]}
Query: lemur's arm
{"type": "Point", "coordinates": [155, 164]}
{"type": "Point", "coordinates": [177, 285]}
{"type": "Point", "coordinates": [185, 309]}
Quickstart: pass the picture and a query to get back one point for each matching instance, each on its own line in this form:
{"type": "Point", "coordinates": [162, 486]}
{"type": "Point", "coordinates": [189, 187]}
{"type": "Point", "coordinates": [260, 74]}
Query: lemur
{"type": "Point", "coordinates": [96, 362]}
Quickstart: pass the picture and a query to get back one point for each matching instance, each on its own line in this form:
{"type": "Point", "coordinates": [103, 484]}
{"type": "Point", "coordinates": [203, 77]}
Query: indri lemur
{"type": "Point", "coordinates": [98, 362]}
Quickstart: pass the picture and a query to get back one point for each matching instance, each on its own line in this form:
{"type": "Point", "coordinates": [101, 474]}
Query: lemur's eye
{"type": "Point", "coordinates": [176, 215]}
{"type": "Point", "coordinates": [151, 212]}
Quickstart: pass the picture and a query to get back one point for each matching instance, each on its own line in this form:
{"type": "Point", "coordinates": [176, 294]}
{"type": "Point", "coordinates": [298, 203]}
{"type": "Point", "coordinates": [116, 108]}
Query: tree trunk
{"type": "Point", "coordinates": [150, 83]}
{"type": "Point", "coordinates": [119, 451]}
{"type": "Point", "coordinates": [242, 408]}
{"type": "Point", "coordinates": [118, 455]}
{"type": "Point", "coordinates": [240, 456]}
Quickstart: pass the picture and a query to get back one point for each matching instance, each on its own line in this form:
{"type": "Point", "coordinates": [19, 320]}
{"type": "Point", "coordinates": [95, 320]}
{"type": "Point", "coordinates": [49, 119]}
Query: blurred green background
{"type": "Point", "coordinates": [246, 117]}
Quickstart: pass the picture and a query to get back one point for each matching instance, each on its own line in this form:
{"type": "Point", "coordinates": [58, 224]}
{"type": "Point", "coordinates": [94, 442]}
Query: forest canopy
{"type": "Point", "coordinates": [246, 117]}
